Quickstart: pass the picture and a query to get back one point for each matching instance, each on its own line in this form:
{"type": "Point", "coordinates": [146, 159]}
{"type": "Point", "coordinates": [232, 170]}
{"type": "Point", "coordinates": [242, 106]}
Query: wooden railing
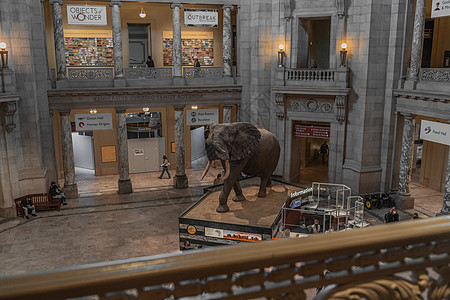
{"type": "Point", "coordinates": [355, 264]}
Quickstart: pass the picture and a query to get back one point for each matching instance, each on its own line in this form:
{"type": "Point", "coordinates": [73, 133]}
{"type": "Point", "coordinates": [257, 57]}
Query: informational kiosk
{"type": "Point", "coordinates": [252, 220]}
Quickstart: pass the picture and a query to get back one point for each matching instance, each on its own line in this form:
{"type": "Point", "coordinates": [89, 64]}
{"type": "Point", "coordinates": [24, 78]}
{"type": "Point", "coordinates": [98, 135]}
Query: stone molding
{"type": "Point", "coordinates": [316, 3]}
{"type": "Point", "coordinates": [341, 108]}
{"type": "Point", "coordinates": [115, 2]}
{"type": "Point", "coordinates": [435, 75]}
{"type": "Point", "coordinates": [279, 99]}
{"type": "Point", "coordinates": [60, 2]}
{"type": "Point", "coordinates": [424, 96]}
{"type": "Point", "coordinates": [311, 105]}
{"type": "Point", "coordinates": [174, 5]}
{"type": "Point", "coordinates": [231, 7]}
{"type": "Point", "coordinates": [7, 110]}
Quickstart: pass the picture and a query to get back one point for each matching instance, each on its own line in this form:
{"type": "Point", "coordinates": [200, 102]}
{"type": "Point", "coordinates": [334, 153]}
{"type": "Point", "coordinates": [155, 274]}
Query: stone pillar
{"type": "Point", "coordinates": [227, 114]}
{"type": "Point", "coordinates": [60, 52]}
{"type": "Point", "coordinates": [70, 186]}
{"type": "Point", "coordinates": [238, 113]}
{"type": "Point", "coordinates": [180, 180]}
{"type": "Point", "coordinates": [177, 51]}
{"type": "Point", "coordinates": [125, 186]}
{"type": "Point", "coordinates": [227, 39]}
{"type": "Point", "coordinates": [238, 36]}
{"type": "Point", "coordinates": [404, 198]}
{"type": "Point", "coordinates": [416, 49]}
{"type": "Point", "coordinates": [117, 43]}
{"type": "Point", "coordinates": [446, 205]}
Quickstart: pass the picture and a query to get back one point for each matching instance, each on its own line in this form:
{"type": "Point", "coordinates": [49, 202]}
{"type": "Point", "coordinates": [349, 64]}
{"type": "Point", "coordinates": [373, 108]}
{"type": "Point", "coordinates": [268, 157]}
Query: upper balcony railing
{"type": "Point", "coordinates": [313, 77]}
{"type": "Point", "coordinates": [407, 260]}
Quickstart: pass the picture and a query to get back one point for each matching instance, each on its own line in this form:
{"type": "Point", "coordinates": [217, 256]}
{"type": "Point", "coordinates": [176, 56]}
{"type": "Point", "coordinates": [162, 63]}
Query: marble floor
{"type": "Point", "coordinates": [102, 225]}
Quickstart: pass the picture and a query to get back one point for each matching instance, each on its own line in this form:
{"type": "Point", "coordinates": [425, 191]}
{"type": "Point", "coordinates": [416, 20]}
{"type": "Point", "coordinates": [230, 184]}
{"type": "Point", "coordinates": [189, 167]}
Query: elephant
{"type": "Point", "coordinates": [241, 147]}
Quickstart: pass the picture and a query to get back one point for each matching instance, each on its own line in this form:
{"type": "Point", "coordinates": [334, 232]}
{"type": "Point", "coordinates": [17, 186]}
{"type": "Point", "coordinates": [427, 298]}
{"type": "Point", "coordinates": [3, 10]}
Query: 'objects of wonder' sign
{"type": "Point", "coordinates": [201, 17]}
{"type": "Point", "coordinates": [86, 15]}
{"type": "Point", "coordinates": [440, 8]}
{"type": "Point", "coordinates": [435, 132]}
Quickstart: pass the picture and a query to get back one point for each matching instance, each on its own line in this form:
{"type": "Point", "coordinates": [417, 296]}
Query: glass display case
{"type": "Point", "coordinates": [89, 52]}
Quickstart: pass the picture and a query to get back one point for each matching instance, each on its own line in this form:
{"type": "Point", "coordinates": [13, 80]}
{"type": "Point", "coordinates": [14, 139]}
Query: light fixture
{"type": "Point", "coordinates": [142, 13]}
{"type": "Point", "coordinates": [343, 54]}
{"type": "Point", "coordinates": [281, 55]}
{"type": "Point", "coordinates": [194, 106]}
{"type": "Point", "coordinates": [146, 109]}
{"type": "Point", "coordinates": [4, 55]}
{"type": "Point", "coordinates": [93, 111]}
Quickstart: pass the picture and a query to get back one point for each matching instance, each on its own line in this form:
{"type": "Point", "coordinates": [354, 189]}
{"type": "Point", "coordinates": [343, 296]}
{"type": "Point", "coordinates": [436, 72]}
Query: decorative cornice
{"type": "Point", "coordinates": [341, 105]}
{"type": "Point", "coordinates": [115, 2]}
{"type": "Point", "coordinates": [422, 95]}
{"type": "Point", "coordinates": [60, 2]}
{"type": "Point", "coordinates": [176, 5]}
{"type": "Point", "coordinates": [231, 7]}
{"type": "Point", "coordinates": [7, 110]}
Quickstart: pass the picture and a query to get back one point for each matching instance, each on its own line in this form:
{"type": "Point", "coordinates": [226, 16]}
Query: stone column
{"type": "Point", "coordinates": [70, 186]}
{"type": "Point", "coordinates": [404, 198]}
{"type": "Point", "coordinates": [238, 113]}
{"type": "Point", "coordinates": [180, 180]}
{"type": "Point", "coordinates": [59, 40]}
{"type": "Point", "coordinates": [238, 37]}
{"type": "Point", "coordinates": [125, 186]}
{"type": "Point", "coordinates": [227, 39]}
{"type": "Point", "coordinates": [416, 49]}
{"type": "Point", "coordinates": [117, 43]}
{"type": "Point", "coordinates": [227, 114]}
{"type": "Point", "coordinates": [446, 205]}
{"type": "Point", "coordinates": [177, 51]}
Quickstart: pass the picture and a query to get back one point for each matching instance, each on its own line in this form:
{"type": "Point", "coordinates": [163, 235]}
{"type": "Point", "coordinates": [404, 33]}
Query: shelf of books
{"type": "Point", "coordinates": [89, 52]}
{"type": "Point", "coordinates": [194, 45]}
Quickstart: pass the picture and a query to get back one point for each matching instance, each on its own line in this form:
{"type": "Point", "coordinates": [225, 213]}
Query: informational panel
{"type": "Point", "coordinates": [440, 8]}
{"type": "Point", "coordinates": [201, 17]}
{"type": "Point", "coordinates": [311, 131]}
{"type": "Point", "coordinates": [435, 132]}
{"type": "Point", "coordinates": [108, 154]}
{"type": "Point", "coordinates": [99, 121]}
{"type": "Point", "coordinates": [202, 116]}
{"type": "Point", "coordinates": [194, 44]}
{"type": "Point", "coordinates": [86, 15]}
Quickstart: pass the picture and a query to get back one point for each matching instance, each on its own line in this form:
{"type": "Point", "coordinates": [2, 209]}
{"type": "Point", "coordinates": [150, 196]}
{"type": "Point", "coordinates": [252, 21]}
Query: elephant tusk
{"type": "Point", "coordinates": [206, 170]}
{"type": "Point", "coordinates": [227, 169]}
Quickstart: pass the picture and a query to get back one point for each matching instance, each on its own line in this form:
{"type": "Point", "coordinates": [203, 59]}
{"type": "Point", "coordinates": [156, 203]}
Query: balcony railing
{"type": "Point", "coordinates": [369, 263]}
{"type": "Point", "coordinates": [313, 77]}
{"type": "Point", "coordinates": [90, 73]}
{"type": "Point", "coordinates": [435, 75]}
{"type": "Point", "coordinates": [148, 73]}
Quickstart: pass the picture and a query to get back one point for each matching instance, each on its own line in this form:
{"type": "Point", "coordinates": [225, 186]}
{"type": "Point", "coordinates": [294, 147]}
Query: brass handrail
{"type": "Point", "coordinates": [270, 269]}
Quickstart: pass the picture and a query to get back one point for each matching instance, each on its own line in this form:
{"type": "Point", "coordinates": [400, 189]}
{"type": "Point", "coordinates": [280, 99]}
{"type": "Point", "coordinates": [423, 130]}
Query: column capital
{"type": "Point", "coordinates": [121, 110]}
{"type": "Point", "coordinates": [115, 2]}
{"type": "Point", "coordinates": [64, 113]}
{"type": "Point", "coordinates": [60, 2]}
{"type": "Point", "coordinates": [231, 7]}
{"type": "Point", "coordinates": [178, 107]}
{"type": "Point", "coordinates": [174, 5]}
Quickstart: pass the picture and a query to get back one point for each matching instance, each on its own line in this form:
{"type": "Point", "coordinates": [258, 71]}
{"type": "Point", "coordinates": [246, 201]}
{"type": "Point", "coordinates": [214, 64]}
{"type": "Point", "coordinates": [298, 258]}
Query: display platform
{"type": "Point", "coordinates": [252, 220]}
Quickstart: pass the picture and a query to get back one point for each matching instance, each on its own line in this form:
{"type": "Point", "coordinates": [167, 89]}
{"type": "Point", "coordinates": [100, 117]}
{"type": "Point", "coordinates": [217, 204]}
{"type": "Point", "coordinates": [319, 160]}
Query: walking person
{"type": "Point", "coordinates": [165, 165]}
{"type": "Point", "coordinates": [324, 152]}
{"type": "Point", "coordinates": [149, 62]}
{"type": "Point", "coordinates": [392, 215]}
{"type": "Point", "coordinates": [28, 204]}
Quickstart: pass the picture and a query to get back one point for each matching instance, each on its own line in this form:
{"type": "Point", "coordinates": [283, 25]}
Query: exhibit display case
{"type": "Point", "coordinates": [89, 51]}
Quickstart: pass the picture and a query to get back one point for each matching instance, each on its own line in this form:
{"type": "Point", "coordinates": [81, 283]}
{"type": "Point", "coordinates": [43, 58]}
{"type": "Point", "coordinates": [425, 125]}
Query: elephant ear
{"type": "Point", "coordinates": [210, 152]}
{"type": "Point", "coordinates": [208, 129]}
{"type": "Point", "coordinates": [246, 142]}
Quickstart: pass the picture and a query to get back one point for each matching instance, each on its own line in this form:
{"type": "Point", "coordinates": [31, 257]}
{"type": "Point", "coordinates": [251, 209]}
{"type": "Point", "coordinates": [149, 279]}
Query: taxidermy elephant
{"type": "Point", "coordinates": [241, 147]}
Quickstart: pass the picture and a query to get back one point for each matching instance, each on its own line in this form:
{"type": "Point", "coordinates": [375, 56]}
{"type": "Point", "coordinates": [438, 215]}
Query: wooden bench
{"type": "Point", "coordinates": [40, 201]}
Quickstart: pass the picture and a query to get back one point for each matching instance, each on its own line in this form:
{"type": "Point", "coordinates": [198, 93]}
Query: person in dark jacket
{"type": "Point", "coordinates": [55, 192]}
{"type": "Point", "coordinates": [27, 204]}
{"type": "Point", "coordinates": [392, 215]}
{"type": "Point", "coordinates": [149, 62]}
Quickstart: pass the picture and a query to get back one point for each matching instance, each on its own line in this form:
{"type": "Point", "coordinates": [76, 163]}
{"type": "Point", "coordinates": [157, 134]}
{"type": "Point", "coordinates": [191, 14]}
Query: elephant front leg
{"type": "Point", "coordinates": [262, 187]}
{"type": "Point", "coordinates": [238, 191]}
{"type": "Point", "coordinates": [235, 171]}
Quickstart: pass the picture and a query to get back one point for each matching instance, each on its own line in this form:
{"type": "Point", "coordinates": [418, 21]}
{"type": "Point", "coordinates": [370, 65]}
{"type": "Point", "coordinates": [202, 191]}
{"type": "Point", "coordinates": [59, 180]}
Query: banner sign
{"type": "Point", "coordinates": [435, 132]}
{"type": "Point", "coordinates": [201, 116]}
{"type": "Point", "coordinates": [201, 17]}
{"type": "Point", "coordinates": [232, 235]}
{"type": "Point", "coordinates": [86, 15]}
{"type": "Point", "coordinates": [311, 131]}
{"type": "Point", "coordinates": [86, 122]}
{"type": "Point", "coordinates": [440, 8]}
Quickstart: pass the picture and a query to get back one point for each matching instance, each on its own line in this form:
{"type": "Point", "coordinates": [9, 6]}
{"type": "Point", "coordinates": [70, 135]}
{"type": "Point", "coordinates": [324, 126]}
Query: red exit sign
{"type": "Point", "coordinates": [311, 131]}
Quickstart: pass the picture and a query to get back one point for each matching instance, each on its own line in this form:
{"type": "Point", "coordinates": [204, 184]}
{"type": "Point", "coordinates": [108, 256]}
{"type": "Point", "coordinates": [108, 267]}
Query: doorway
{"type": "Point", "coordinates": [138, 40]}
{"type": "Point", "coordinates": [199, 159]}
{"type": "Point", "coordinates": [83, 152]}
{"type": "Point", "coordinates": [309, 152]}
{"type": "Point", "coordinates": [314, 43]}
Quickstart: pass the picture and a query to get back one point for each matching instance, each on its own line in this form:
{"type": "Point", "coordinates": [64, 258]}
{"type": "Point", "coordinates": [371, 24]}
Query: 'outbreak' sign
{"type": "Point", "coordinates": [311, 131]}
{"type": "Point", "coordinates": [86, 15]}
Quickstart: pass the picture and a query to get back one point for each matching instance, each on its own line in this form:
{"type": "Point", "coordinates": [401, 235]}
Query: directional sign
{"type": "Point", "coordinates": [87, 122]}
{"type": "Point", "coordinates": [435, 132]}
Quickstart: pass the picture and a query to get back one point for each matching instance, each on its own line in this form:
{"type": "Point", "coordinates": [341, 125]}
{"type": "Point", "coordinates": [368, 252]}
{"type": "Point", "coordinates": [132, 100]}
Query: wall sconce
{"type": "Point", "coordinates": [4, 55]}
{"type": "Point", "coordinates": [146, 109]}
{"type": "Point", "coordinates": [194, 107]}
{"type": "Point", "coordinates": [93, 111]}
{"type": "Point", "coordinates": [343, 55]}
{"type": "Point", "coordinates": [281, 55]}
{"type": "Point", "coordinates": [142, 14]}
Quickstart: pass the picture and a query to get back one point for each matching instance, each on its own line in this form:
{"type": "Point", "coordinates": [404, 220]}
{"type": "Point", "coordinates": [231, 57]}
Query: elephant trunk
{"type": "Point", "coordinates": [227, 169]}
{"type": "Point", "coordinates": [206, 170]}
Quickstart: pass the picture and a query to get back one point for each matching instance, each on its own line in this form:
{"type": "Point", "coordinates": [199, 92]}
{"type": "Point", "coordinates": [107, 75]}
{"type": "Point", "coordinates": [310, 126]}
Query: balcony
{"type": "Point", "coordinates": [103, 77]}
{"type": "Point", "coordinates": [369, 263]}
{"type": "Point", "coordinates": [320, 78]}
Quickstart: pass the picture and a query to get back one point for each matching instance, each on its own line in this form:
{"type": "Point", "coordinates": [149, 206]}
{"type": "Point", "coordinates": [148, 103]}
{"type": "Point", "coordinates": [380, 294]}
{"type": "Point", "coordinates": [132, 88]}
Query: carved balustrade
{"type": "Point", "coordinates": [313, 77]}
{"type": "Point", "coordinates": [435, 75]}
{"type": "Point", "coordinates": [203, 72]}
{"type": "Point", "coordinates": [407, 260]}
{"type": "Point", "coordinates": [90, 73]}
{"type": "Point", "coordinates": [148, 73]}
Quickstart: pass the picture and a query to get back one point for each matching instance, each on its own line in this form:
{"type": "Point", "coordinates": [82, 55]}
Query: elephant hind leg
{"type": "Point", "coordinates": [262, 187]}
{"type": "Point", "coordinates": [269, 183]}
{"type": "Point", "coordinates": [238, 191]}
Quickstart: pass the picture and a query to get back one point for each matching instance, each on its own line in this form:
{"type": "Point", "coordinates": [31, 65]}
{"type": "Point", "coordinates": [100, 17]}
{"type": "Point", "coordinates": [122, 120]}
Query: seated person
{"type": "Point", "coordinates": [315, 228]}
{"type": "Point", "coordinates": [218, 179]}
{"type": "Point", "coordinates": [56, 193]}
{"type": "Point", "coordinates": [28, 204]}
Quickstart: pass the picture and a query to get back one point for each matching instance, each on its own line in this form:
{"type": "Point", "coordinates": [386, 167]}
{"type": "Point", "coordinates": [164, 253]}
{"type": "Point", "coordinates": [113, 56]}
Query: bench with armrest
{"type": "Point", "coordinates": [40, 201]}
